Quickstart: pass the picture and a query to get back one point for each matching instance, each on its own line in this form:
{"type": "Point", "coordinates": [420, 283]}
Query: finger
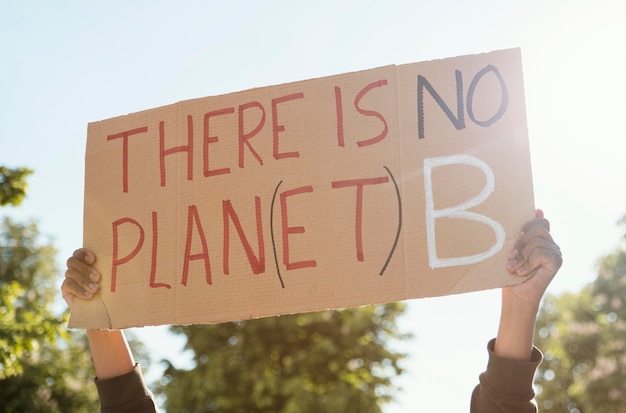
{"type": "Point", "coordinates": [537, 228]}
{"type": "Point", "coordinates": [546, 260]}
{"type": "Point", "coordinates": [67, 294]}
{"type": "Point", "coordinates": [86, 276]}
{"type": "Point", "coordinates": [524, 244]}
{"type": "Point", "coordinates": [538, 221]}
{"type": "Point", "coordinates": [538, 252]}
{"type": "Point", "coordinates": [87, 282]}
{"type": "Point", "coordinates": [80, 267]}
{"type": "Point", "coordinates": [85, 255]}
{"type": "Point", "coordinates": [70, 289]}
{"type": "Point", "coordinates": [537, 242]}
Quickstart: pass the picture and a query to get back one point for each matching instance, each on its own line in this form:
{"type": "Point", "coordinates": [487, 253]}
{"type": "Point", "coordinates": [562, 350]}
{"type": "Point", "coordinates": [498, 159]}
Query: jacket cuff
{"type": "Point", "coordinates": [122, 390]}
{"type": "Point", "coordinates": [511, 378]}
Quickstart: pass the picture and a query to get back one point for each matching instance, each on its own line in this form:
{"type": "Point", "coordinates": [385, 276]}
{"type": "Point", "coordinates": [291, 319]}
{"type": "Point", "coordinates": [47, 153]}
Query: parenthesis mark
{"type": "Point", "coordinates": [272, 233]}
{"type": "Point", "coordinates": [395, 241]}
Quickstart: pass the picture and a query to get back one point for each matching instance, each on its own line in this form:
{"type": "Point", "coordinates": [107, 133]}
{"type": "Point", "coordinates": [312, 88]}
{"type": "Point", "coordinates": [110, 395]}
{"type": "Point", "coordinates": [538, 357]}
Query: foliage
{"type": "Point", "coordinates": [583, 336]}
{"type": "Point", "coordinates": [13, 185]}
{"type": "Point", "coordinates": [43, 366]}
{"type": "Point", "coordinates": [329, 361]}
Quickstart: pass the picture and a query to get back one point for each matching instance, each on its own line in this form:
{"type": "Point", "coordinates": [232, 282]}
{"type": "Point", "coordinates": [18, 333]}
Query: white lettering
{"type": "Point", "coordinates": [459, 211]}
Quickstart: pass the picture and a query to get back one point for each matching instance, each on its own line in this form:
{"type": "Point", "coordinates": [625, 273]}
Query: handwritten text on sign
{"type": "Point", "coordinates": [392, 183]}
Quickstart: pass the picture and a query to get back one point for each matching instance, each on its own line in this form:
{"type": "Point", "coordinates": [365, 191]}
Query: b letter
{"type": "Point", "coordinates": [459, 211]}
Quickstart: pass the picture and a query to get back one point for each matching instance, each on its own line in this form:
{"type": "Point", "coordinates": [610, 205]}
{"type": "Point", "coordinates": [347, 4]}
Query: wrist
{"type": "Point", "coordinates": [110, 353]}
{"type": "Point", "coordinates": [521, 304]}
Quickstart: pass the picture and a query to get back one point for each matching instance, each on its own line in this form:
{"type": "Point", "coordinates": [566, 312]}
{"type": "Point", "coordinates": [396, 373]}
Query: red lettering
{"type": "Point", "coordinates": [155, 241]}
{"type": "Point", "coordinates": [244, 138]}
{"type": "Point", "coordinates": [116, 262]}
{"type": "Point", "coordinates": [339, 107]}
{"type": "Point", "coordinates": [124, 135]}
{"type": "Point", "coordinates": [277, 128]}
{"type": "Point", "coordinates": [292, 230]}
{"type": "Point", "coordinates": [192, 217]}
{"type": "Point", "coordinates": [182, 148]}
{"type": "Point", "coordinates": [212, 139]}
{"type": "Point", "coordinates": [359, 184]}
{"type": "Point", "coordinates": [365, 112]}
{"type": "Point", "coordinates": [257, 264]}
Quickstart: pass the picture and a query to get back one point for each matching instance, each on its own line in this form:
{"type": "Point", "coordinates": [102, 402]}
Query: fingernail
{"type": "Point", "coordinates": [94, 276]}
{"type": "Point", "coordinates": [93, 286]}
{"type": "Point", "coordinates": [87, 294]}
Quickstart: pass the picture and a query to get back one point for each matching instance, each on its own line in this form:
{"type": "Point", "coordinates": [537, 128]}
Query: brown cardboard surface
{"type": "Point", "coordinates": [381, 185]}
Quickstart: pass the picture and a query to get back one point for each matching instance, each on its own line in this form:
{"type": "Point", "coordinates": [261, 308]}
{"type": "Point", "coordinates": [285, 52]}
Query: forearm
{"type": "Point", "coordinates": [517, 326]}
{"type": "Point", "coordinates": [110, 352]}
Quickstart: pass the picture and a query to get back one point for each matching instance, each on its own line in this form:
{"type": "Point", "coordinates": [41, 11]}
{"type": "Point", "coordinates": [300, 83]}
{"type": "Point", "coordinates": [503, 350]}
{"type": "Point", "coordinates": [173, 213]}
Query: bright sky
{"type": "Point", "coordinates": [67, 63]}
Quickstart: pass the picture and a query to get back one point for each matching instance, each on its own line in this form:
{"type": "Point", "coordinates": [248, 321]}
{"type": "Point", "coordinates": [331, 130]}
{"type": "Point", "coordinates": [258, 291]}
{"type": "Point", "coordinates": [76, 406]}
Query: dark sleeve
{"type": "Point", "coordinates": [507, 385]}
{"type": "Point", "coordinates": [125, 394]}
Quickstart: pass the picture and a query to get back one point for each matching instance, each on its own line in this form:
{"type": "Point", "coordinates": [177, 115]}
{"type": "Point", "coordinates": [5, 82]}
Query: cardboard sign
{"type": "Point", "coordinates": [381, 185]}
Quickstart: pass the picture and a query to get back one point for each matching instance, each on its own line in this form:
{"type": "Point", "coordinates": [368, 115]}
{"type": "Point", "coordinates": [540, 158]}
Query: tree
{"type": "Point", "coordinates": [329, 361]}
{"type": "Point", "coordinates": [583, 336]}
{"type": "Point", "coordinates": [13, 185]}
{"type": "Point", "coordinates": [43, 366]}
